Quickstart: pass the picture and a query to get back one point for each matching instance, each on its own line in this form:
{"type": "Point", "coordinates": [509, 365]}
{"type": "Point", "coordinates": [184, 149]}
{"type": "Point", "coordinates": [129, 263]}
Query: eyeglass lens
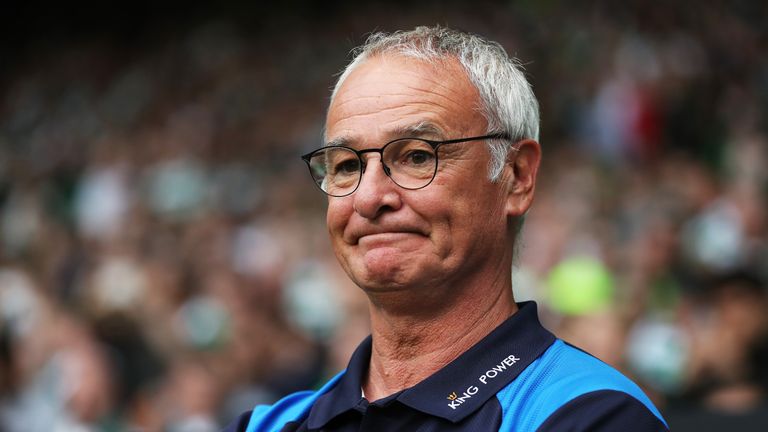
{"type": "Point", "coordinates": [411, 164]}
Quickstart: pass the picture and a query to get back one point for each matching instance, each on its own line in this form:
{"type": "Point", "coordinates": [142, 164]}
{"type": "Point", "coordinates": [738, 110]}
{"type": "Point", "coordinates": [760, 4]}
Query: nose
{"type": "Point", "coordinates": [377, 193]}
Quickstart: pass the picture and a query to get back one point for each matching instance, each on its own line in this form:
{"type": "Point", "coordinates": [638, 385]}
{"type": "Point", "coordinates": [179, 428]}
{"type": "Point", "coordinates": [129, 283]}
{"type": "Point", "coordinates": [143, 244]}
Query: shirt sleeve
{"type": "Point", "coordinates": [603, 410]}
{"type": "Point", "coordinates": [239, 424]}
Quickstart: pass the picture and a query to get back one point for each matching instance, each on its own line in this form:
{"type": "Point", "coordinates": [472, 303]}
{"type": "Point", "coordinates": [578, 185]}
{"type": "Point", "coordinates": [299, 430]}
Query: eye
{"type": "Point", "coordinates": [410, 154]}
{"type": "Point", "coordinates": [349, 165]}
{"type": "Point", "coordinates": [417, 157]}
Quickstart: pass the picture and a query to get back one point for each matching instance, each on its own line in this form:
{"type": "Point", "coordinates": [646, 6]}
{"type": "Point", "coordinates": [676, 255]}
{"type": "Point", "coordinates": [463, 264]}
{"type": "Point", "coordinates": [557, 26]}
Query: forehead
{"type": "Point", "coordinates": [390, 93]}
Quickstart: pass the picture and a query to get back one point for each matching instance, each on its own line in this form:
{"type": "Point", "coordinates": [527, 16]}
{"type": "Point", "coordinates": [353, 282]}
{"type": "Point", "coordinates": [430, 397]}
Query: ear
{"type": "Point", "coordinates": [520, 175]}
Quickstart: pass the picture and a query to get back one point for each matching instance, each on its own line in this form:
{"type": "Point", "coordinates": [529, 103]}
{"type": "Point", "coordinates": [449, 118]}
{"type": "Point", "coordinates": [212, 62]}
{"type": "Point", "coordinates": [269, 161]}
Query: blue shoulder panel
{"type": "Point", "coordinates": [294, 407]}
{"type": "Point", "coordinates": [560, 375]}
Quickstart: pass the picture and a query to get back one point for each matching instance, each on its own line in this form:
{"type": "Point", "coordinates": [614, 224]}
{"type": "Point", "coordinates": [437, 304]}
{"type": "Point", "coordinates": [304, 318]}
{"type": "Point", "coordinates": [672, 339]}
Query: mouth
{"type": "Point", "coordinates": [384, 237]}
{"type": "Point", "coordinates": [389, 238]}
{"type": "Point", "coordinates": [357, 232]}
{"type": "Point", "coordinates": [381, 234]}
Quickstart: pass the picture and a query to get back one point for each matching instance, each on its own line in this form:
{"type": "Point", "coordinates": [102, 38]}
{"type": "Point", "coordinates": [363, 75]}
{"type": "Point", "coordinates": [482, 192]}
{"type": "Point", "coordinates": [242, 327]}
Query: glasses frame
{"type": "Point", "coordinates": [435, 144]}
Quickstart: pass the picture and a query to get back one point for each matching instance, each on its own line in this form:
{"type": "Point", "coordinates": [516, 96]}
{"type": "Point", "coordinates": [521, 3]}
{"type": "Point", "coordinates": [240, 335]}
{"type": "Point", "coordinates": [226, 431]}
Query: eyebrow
{"type": "Point", "coordinates": [418, 130]}
{"type": "Point", "coordinates": [415, 130]}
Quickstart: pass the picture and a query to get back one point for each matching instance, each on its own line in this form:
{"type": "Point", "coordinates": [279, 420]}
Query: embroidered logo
{"type": "Point", "coordinates": [458, 400]}
{"type": "Point", "coordinates": [500, 369]}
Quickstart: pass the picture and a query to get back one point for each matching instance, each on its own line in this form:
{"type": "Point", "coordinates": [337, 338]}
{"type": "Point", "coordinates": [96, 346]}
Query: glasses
{"type": "Point", "coordinates": [410, 162]}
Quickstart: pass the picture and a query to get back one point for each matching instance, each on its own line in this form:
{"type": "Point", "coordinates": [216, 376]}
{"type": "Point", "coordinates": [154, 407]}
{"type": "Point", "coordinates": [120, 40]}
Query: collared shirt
{"type": "Point", "coordinates": [518, 378]}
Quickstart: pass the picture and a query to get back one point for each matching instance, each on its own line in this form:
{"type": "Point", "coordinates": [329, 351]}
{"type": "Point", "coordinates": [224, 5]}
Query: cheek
{"type": "Point", "coordinates": [337, 216]}
{"type": "Point", "coordinates": [477, 214]}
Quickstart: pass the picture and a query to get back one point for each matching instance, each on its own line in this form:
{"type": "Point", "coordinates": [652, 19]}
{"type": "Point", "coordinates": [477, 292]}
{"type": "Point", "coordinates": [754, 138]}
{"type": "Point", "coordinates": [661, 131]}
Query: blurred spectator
{"type": "Point", "coordinates": [727, 365]}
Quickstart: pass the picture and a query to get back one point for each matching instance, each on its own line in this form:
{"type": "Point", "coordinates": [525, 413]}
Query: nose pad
{"type": "Point", "coordinates": [376, 195]}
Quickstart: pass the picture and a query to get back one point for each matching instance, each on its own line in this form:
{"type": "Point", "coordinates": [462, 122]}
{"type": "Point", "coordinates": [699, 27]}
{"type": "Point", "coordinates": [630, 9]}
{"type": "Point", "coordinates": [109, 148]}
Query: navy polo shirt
{"type": "Point", "coordinates": [518, 378]}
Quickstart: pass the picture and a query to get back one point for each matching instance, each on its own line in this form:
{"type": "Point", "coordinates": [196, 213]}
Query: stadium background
{"type": "Point", "coordinates": [164, 263]}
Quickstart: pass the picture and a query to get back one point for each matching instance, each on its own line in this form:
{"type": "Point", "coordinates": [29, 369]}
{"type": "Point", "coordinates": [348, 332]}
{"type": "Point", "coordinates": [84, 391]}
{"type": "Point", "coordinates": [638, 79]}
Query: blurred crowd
{"type": "Point", "coordinates": [164, 262]}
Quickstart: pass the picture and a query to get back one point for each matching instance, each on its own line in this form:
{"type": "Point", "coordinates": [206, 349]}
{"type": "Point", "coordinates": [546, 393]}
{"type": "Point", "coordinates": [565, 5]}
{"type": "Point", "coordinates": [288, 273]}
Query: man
{"type": "Point", "coordinates": [430, 165]}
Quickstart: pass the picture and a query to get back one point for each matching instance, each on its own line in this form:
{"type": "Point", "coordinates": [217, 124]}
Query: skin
{"type": "Point", "coordinates": [435, 262]}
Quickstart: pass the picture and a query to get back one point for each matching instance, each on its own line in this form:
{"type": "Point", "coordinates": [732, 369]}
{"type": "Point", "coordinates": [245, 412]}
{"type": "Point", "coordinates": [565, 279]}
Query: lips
{"type": "Point", "coordinates": [390, 239]}
{"type": "Point", "coordinates": [354, 234]}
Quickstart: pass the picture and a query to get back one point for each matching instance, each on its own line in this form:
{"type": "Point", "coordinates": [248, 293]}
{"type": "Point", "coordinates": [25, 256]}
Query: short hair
{"type": "Point", "coordinates": [508, 102]}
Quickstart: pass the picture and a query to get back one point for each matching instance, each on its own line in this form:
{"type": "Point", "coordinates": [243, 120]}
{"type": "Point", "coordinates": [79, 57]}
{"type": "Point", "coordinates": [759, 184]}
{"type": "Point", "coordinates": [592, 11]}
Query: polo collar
{"type": "Point", "coordinates": [459, 388]}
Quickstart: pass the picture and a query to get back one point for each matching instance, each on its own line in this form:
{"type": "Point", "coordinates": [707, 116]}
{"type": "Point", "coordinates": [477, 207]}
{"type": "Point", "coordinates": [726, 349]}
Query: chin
{"type": "Point", "coordinates": [383, 274]}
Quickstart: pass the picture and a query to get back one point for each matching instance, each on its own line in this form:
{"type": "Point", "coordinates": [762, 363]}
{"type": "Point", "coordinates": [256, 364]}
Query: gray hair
{"type": "Point", "coordinates": [507, 100]}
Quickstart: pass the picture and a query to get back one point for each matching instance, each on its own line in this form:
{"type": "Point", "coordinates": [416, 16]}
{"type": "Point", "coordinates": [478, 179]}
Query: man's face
{"type": "Point", "coordinates": [389, 238]}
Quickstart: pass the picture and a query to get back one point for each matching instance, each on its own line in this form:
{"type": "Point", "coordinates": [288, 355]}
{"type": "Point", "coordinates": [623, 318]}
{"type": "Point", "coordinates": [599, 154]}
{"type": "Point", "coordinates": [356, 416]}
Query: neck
{"type": "Point", "coordinates": [409, 347]}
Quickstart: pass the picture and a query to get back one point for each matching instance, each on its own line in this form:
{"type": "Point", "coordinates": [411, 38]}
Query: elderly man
{"type": "Point", "coordinates": [429, 166]}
